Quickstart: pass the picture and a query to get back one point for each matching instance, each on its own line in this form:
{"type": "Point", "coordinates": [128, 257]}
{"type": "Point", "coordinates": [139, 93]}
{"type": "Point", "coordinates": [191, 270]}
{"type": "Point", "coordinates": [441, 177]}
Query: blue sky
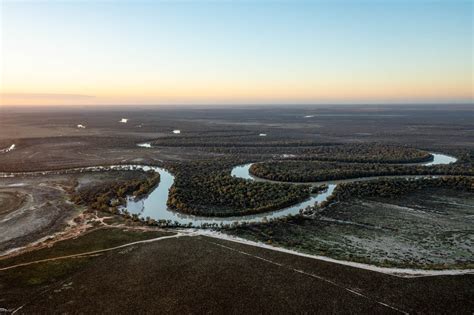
{"type": "Point", "coordinates": [152, 52]}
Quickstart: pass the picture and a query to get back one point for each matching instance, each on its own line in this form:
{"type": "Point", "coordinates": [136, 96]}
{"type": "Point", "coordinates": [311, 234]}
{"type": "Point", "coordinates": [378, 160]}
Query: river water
{"type": "Point", "coordinates": [154, 205]}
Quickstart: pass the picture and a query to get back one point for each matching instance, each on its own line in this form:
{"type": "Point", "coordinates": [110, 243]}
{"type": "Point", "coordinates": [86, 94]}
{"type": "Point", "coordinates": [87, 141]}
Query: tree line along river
{"type": "Point", "coordinates": [154, 205]}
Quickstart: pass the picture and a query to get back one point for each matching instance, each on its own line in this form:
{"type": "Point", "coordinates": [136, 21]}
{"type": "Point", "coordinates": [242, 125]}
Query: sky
{"type": "Point", "coordinates": [235, 52]}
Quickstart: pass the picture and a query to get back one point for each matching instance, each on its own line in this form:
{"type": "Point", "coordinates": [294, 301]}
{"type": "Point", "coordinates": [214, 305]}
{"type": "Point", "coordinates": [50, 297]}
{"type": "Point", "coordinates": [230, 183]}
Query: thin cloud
{"type": "Point", "coordinates": [45, 96]}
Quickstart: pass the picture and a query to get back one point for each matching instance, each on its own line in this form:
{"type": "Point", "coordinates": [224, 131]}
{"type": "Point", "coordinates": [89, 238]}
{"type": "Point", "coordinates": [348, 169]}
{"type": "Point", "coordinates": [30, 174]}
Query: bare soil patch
{"type": "Point", "coordinates": [11, 200]}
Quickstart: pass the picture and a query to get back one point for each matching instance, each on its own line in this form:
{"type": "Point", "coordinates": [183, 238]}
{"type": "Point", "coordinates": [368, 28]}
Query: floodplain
{"type": "Point", "coordinates": [399, 240]}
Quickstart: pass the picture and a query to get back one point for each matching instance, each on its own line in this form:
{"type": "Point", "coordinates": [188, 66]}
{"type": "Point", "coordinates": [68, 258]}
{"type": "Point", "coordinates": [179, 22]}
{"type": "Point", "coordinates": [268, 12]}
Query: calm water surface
{"type": "Point", "coordinates": [154, 205]}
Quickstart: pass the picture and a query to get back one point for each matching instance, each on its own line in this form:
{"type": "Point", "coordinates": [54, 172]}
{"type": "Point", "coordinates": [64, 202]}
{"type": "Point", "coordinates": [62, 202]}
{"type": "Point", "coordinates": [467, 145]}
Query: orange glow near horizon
{"type": "Point", "coordinates": [94, 53]}
{"type": "Point", "coordinates": [251, 93]}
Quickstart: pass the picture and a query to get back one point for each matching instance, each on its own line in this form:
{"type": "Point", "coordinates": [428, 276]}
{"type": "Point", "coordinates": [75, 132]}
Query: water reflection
{"type": "Point", "coordinates": [440, 159]}
{"type": "Point", "coordinates": [154, 205]}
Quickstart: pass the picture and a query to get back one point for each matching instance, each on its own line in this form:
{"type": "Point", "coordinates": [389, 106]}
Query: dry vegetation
{"type": "Point", "coordinates": [335, 142]}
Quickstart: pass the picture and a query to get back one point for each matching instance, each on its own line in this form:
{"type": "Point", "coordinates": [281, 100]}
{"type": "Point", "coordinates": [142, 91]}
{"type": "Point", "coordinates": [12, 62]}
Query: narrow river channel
{"type": "Point", "coordinates": [154, 204]}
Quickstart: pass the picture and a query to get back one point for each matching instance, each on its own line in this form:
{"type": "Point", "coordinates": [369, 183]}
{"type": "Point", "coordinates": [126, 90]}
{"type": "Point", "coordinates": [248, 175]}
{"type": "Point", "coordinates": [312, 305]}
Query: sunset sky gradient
{"type": "Point", "coordinates": [235, 52]}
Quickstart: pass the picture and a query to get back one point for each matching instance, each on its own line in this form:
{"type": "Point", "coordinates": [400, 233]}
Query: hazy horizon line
{"type": "Point", "coordinates": [232, 106]}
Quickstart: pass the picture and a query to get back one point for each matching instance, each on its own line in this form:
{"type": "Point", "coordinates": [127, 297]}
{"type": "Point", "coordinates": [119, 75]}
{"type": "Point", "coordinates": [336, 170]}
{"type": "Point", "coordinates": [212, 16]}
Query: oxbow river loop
{"type": "Point", "coordinates": [154, 204]}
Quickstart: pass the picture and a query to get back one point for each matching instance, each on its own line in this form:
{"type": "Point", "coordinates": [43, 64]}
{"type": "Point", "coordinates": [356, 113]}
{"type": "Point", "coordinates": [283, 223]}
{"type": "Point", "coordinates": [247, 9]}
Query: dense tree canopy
{"type": "Point", "coordinates": [107, 196]}
{"type": "Point", "coordinates": [208, 189]}
{"type": "Point", "coordinates": [314, 171]}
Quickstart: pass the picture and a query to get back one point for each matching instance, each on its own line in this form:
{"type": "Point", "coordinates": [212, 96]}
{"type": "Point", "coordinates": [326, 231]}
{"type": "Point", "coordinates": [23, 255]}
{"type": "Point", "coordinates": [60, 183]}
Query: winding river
{"type": "Point", "coordinates": [154, 205]}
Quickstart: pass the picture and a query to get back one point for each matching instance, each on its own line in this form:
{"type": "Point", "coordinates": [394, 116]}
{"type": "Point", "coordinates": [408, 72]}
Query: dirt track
{"type": "Point", "coordinates": [200, 274]}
